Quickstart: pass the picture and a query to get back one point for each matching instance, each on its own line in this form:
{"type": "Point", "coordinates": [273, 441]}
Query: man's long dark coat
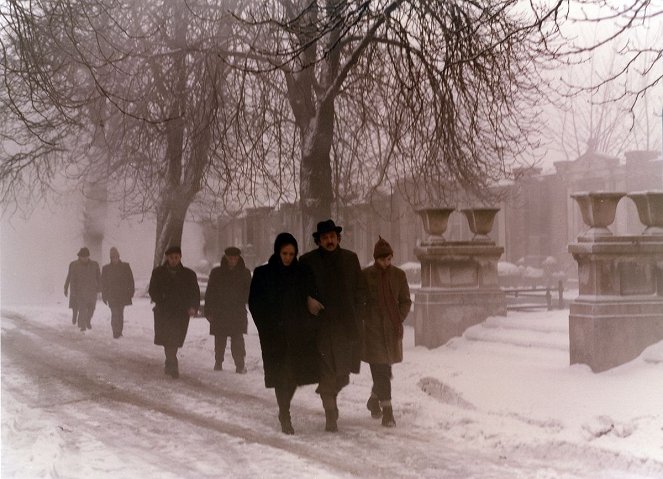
{"type": "Point", "coordinates": [174, 291]}
{"type": "Point", "coordinates": [341, 289]}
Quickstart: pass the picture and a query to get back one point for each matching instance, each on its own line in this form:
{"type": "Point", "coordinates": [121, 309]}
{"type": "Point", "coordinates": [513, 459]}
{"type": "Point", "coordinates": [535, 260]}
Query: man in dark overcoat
{"type": "Point", "coordinates": [117, 289]}
{"type": "Point", "coordinates": [176, 295]}
{"type": "Point", "coordinates": [225, 307]}
{"type": "Point", "coordinates": [341, 290]}
{"type": "Point", "coordinates": [83, 282]}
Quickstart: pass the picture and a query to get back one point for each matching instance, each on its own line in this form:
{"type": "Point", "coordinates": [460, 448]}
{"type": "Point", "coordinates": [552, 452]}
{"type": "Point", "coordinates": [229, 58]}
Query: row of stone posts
{"type": "Point", "coordinates": [459, 285]}
{"type": "Point", "coordinates": [619, 309]}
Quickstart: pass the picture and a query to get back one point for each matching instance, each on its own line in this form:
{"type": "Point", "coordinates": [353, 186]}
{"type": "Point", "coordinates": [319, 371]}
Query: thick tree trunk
{"type": "Point", "coordinates": [95, 209]}
{"type": "Point", "coordinates": [315, 172]}
{"type": "Point", "coordinates": [170, 224]}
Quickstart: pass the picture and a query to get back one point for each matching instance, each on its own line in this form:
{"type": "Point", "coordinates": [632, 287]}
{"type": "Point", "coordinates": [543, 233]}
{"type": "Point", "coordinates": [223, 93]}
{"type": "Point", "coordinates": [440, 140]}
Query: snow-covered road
{"type": "Point", "coordinates": [87, 406]}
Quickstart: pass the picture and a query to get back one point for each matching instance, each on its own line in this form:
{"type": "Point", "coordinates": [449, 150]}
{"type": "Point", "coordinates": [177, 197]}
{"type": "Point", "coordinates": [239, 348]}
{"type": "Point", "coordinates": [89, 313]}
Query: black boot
{"type": "Point", "coordinates": [388, 417]}
{"type": "Point", "coordinates": [373, 405]}
{"type": "Point", "coordinates": [218, 366]}
{"type": "Point", "coordinates": [286, 423]}
{"type": "Point", "coordinates": [331, 416]}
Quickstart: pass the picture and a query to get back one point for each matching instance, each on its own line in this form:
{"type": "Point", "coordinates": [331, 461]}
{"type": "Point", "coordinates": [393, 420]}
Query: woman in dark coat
{"type": "Point", "coordinates": [225, 307]}
{"type": "Point", "coordinates": [174, 290]}
{"type": "Point", "coordinates": [278, 304]}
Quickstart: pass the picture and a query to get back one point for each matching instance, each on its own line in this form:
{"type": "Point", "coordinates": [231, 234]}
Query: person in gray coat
{"type": "Point", "coordinates": [117, 289]}
{"type": "Point", "coordinates": [225, 307]}
{"type": "Point", "coordinates": [83, 282]}
{"type": "Point", "coordinates": [341, 296]}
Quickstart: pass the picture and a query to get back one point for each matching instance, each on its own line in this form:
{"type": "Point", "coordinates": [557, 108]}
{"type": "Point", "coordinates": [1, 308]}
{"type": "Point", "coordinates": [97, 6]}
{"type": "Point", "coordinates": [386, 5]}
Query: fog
{"type": "Point", "coordinates": [36, 252]}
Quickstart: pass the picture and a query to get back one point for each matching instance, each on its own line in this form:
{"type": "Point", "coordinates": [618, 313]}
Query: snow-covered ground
{"type": "Point", "coordinates": [500, 402]}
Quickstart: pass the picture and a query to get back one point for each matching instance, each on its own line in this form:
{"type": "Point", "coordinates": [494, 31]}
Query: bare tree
{"type": "Point", "coordinates": [391, 90]}
{"type": "Point", "coordinates": [160, 70]}
{"type": "Point", "coordinates": [633, 30]}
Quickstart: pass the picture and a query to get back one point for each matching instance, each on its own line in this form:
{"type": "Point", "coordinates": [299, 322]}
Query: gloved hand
{"type": "Point", "coordinates": [314, 306]}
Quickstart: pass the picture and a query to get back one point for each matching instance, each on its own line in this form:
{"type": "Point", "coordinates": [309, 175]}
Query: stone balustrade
{"type": "Point", "coordinates": [459, 284]}
{"type": "Point", "coordinates": [619, 309]}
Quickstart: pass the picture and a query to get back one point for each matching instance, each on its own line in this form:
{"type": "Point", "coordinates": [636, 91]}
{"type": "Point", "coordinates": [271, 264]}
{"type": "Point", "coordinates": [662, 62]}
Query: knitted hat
{"type": "Point", "coordinates": [382, 249]}
{"type": "Point", "coordinates": [232, 251]}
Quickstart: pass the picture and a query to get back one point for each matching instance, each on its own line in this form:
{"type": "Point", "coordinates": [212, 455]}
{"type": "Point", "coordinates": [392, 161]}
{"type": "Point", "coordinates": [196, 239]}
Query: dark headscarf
{"type": "Point", "coordinates": [284, 239]}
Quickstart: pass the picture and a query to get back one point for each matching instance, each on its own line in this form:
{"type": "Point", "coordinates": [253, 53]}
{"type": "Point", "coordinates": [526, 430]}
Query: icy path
{"type": "Point", "coordinates": [84, 405]}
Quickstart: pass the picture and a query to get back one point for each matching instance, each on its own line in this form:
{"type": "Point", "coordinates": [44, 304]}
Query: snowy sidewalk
{"type": "Point", "coordinates": [508, 382]}
{"type": "Point", "coordinates": [500, 402]}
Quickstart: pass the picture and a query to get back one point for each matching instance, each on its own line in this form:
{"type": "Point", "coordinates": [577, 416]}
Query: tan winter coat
{"type": "Point", "coordinates": [382, 345]}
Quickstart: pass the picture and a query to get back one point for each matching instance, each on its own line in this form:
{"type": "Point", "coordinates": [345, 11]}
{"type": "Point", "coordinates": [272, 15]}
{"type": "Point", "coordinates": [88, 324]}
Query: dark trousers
{"type": "Point", "coordinates": [85, 312]}
{"type": "Point", "coordinates": [381, 374]}
{"type": "Point", "coordinates": [117, 319]}
{"type": "Point", "coordinates": [284, 394]}
{"type": "Point", "coordinates": [171, 356]}
{"type": "Point", "coordinates": [237, 349]}
{"type": "Point", "coordinates": [331, 383]}
{"type": "Point", "coordinates": [74, 315]}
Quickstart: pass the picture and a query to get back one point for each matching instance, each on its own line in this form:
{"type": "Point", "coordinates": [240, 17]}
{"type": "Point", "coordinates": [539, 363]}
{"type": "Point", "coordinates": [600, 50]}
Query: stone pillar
{"type": "Point", "coordinates": [619, 309]}
{"type": "Point", "coordinates": [459, 286]}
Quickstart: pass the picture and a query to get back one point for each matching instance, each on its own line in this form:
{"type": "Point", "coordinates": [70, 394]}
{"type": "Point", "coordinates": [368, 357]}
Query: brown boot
{"type": "Point", "coordinates": [387, 416]}
{"type": "Point", "coordinates": [373, 405]}
{"type": "Point", "coordinates": [331, 412]}
{"type": "Point", "coordinates": [286, 423]}
{"type": "Point", "coordinates": [331, 416]}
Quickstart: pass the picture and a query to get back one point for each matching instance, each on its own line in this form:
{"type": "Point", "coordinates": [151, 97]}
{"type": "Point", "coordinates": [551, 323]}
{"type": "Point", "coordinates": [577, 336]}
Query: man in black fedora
{"type": "Point", "coordinates": [341, 297]}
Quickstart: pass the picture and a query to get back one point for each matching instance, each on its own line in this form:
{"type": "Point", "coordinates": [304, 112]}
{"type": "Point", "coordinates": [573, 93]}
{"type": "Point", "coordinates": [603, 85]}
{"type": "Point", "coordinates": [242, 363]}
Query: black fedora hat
{"type": "Point", "coordinates": [325, 227]}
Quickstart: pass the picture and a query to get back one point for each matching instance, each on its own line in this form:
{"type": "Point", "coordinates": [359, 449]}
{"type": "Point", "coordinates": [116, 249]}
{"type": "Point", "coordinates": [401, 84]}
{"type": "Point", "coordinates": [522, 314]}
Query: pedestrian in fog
{"type": "Point", "coordinates": [225, 307]}
{"type": "Point", "coordinates": [117, 289]}
{"type": "Point", "coordinates": [69, 292]}
{"type": "Point", "coordinates": [83, 282]}
{"type": "Point", "coordinates": [388, 306]}
{"type": "Point", "coordinates": [176, 296]}
{"type": "Point", "coordinates": [341, 289]}
{"type": "Point", "coordinates": [278, 304]}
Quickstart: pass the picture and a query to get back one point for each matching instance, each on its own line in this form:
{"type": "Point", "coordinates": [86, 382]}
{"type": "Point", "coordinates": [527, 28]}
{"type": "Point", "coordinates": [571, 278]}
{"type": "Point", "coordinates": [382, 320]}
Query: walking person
{"type": "Point", "coordinates": [117, 289]}
{"type": "Point", "coordinates": [176, 295]}
{"type": "Point", "coordinates": [341, 289]}
{"type": "Point", "coordinates": [225, 307]}
{"type": "Point", "coordinates": [388, 306]}
{"type": "Point", "coordinates": [278, 304]}
{"type": "Point", "coordinates": [69, 292]}
{"type": "Point", "coordinates": [84, 282]}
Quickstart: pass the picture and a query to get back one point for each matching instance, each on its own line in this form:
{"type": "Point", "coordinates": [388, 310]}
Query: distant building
{"type": "Point", "coordinates": [537, 219]}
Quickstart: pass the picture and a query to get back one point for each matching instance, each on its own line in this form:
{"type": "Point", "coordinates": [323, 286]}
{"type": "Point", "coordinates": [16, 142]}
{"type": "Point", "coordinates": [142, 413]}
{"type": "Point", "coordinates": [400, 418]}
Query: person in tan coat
{"type": "Point", "coordinates": [388, 305]}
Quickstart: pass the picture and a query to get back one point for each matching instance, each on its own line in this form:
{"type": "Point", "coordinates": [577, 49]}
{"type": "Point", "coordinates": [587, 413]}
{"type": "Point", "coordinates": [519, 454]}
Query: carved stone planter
{"type": "Point", "coordinates": [480, 221]}
{"type": "Point", "coordinates": [598, 210]}
{"type": "Point", "coordinates": [435, 221]}
{"type": "Point", "coordinates": [650, 210]}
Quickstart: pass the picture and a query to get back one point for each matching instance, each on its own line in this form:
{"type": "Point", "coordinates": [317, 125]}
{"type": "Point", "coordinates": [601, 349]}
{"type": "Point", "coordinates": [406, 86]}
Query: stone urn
{"type": "Point", "coordinates": [480, 221]}
{"type": "Point", "coordinates": [598, 210]}
{"type": "Point", "coordinates": [435, 222]}
{"type": "Point", "coordinates": [650, 210]}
